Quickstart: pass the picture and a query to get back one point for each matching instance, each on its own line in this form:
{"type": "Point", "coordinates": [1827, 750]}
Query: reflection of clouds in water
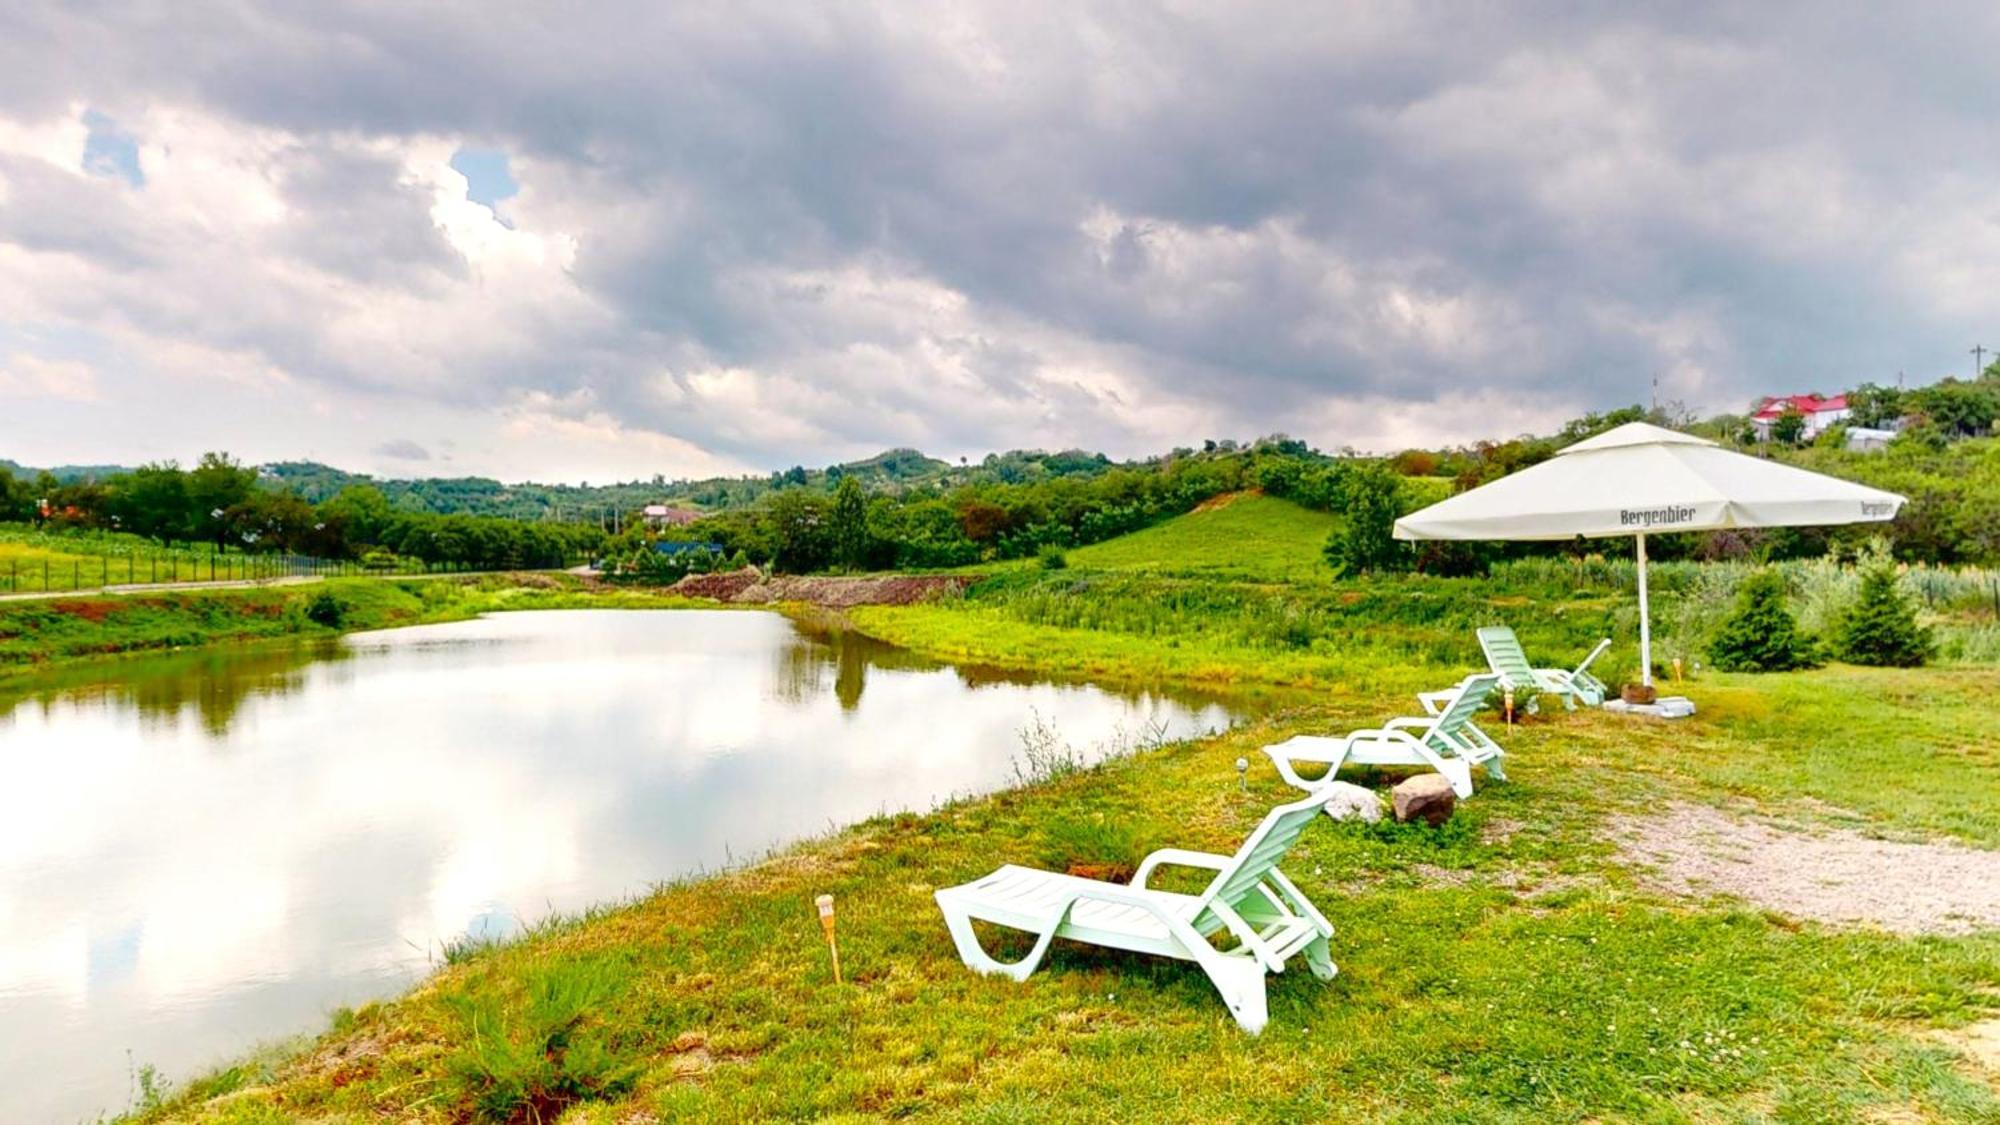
{"type": "Point", "coordinates": [184, 890]}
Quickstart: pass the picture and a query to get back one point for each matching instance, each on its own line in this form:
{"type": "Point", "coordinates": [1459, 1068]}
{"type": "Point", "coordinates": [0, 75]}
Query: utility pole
{"type": "Point", "coordinates": [1656, 395]}
{"type": "Point", "coordinates": [1978, 358]}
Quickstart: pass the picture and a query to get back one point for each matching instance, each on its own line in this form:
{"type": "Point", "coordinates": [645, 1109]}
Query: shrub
{"type": "Point", "coordinates": [527, 1057]}
{"type": "Point", "coordinates": [1052, 557]}
{"type": "Point", "coordinates": [1881, 628]}
{"type": "Point", "coordinates": [1098, 848]}
{"type": "Point", "coordinates": [1760, 635]}
{"type": "Point", "coordinates": [327, 610]}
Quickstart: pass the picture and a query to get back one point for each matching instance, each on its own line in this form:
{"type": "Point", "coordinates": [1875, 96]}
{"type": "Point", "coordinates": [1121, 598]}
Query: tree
{"type": "Point", "coordinates": [1959, 409]}
{"type": "Point", "coordinates": [216, 484]}
{"type": "Point", "coordinates": [1875, 407]}
{"type": "Point", "coordinates": [850, 525]}
{"type": "Point", "coordinates": [1761, 635]}
{"type": "Point", "coordinates": [17, 496]}
{"type": "Point", "coordinates": [1881, 628]}
{"type": "Point", "coordinates": [1366, 540]}
{"type": "Point", "coordinates": [800, 526]}
{"type": "Point", "coordinates": [152, 500]}
{"type": "Point", "coordinates": [1790, 425]}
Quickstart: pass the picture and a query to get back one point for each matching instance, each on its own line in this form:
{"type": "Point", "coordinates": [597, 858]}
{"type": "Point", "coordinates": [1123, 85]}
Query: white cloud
{"type": "Point", "coordinates": [24, 376]}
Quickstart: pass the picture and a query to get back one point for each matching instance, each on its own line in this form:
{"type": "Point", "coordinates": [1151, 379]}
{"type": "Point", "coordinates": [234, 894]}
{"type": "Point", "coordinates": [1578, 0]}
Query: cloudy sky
{"type": "Point", "coordinates": [619, 240]}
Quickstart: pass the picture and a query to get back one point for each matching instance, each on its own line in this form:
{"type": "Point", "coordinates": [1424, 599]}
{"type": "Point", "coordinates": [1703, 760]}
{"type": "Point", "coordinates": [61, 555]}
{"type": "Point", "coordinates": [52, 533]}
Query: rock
{"type": "Point", "coordinates": [1346, 801]}
{"type": "Point", "coordinates": [1426, 797]}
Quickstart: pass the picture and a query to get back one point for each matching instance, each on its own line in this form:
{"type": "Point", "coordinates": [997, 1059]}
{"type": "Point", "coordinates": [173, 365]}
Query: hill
{"type": "Point", "coordinates": [1237, 535]}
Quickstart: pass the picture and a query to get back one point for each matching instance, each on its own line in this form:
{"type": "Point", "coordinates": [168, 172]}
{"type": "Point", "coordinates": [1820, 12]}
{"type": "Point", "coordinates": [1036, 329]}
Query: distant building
{"type": "Point", "coordinates": [660, 515]}
{"type": "Point", "coordinates": [674, 549]}
{"type": "Point", "coordinates": [1820, 414]}
{"type": "Point", "coordinates": [1864, 439]}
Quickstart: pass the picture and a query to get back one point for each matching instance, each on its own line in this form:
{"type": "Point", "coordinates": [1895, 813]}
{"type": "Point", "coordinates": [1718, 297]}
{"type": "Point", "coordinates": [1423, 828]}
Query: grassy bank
{"type": "Point", "coordinates": [38, 633]}
{"type": "Point", "coordinates": [1505, 967]}
{"type": "Point", "coordinates": [1512, 965]}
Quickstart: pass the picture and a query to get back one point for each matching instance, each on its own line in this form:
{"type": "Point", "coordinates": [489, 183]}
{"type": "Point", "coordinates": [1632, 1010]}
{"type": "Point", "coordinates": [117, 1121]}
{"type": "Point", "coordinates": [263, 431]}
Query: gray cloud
{"type": "Point", "coordinates": [403, 449]}
{"type": "Point", "coordinates": [758, 235]}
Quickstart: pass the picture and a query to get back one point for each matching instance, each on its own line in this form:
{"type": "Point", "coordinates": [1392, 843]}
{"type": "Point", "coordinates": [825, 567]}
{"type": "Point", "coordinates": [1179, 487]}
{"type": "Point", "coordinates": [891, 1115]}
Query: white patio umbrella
{"type": "Point", "coordinates": [1638, 479]}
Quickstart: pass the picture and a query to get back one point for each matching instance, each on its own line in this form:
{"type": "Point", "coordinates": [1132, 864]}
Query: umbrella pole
{"type": "Point", "coordinates": [1645, 621]}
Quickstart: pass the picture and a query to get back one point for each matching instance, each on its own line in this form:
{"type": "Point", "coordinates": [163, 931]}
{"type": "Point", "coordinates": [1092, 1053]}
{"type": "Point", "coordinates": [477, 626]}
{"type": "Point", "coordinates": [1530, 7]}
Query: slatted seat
{"type": "Point", "coordinates": [1446, 740]}
{"type": "Point", "coordinates": [1249, 900]}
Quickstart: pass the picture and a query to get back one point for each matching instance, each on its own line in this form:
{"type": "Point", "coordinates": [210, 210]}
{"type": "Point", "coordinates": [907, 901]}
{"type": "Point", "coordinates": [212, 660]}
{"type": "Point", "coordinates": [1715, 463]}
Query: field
{"type": "Point", "coordinates": [1236, 535]}
{"type": "Point", "coordinates": [33, 561]}
{"type": "Point", "coordinates": [1519, 963]}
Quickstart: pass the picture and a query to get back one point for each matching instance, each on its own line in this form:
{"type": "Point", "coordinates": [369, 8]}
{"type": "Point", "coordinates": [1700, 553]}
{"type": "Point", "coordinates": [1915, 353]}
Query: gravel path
{"type": "Point", "coordinates": [1836, 876]}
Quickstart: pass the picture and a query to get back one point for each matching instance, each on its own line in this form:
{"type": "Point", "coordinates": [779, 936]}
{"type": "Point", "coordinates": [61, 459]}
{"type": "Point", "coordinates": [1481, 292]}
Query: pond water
{"type": "Point", "coordinates": [204, 852]}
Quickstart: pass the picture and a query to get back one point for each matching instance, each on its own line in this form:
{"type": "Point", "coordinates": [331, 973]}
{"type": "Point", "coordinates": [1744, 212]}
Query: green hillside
{"type": "Point", "coordinates": [1240, 535]}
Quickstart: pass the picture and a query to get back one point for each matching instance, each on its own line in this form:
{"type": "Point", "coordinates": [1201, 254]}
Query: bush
{"type": "Point", "coordinates": [1366, 541]}
{"type": "Point", "coordinates": [529, 1056]}
{"type": "Point", "coordinates": [1052, 557]}
{"type": "Point", "coordinates": [1760, 635]}
{"type": "Point", "coordinates": [1882, 628]}
{"type": "Point", "coordinates": [327, 610]}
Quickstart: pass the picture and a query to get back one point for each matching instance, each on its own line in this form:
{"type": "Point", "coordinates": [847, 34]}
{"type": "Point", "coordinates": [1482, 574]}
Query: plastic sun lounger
{"type": "Point", "coordinates": [1249, 897]}
{"type": "Point", "coordinates": [1510, 662]}
{"type": "Point", "coordinates": [1445, 740]}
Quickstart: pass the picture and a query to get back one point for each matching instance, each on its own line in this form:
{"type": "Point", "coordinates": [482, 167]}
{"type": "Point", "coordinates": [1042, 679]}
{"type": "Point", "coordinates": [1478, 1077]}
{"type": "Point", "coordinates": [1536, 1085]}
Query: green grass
{"type": "Point", "coordinates": [35, 633]}
{"type": "Point", "coordinates": [1242, 535]}
{"type": "Point", "coordinates": [34, 560]}
{"type": "Point", "coordinates": [1507, 966]}
{"type": "Point", "coordinates": [1503, 968]}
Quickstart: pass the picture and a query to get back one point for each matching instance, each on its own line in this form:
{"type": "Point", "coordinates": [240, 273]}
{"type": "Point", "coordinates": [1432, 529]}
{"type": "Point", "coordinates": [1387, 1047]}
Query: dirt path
{"type": "Point", "coordinates": [1836, 876]}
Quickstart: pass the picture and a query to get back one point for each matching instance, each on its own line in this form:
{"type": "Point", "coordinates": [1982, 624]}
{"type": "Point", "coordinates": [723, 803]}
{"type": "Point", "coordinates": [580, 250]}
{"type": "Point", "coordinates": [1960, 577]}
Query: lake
{"type": "Point", "coordinates": [203, 852]}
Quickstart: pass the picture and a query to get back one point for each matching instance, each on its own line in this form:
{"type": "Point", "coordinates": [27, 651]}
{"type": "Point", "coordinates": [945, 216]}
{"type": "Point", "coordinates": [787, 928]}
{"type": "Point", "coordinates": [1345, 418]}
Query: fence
{"type": "Point", "coordinates": [49, 575]}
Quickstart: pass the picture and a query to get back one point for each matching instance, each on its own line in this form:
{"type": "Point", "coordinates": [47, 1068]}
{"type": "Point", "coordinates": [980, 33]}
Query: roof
{"type": "Point", "coordinates": [670, 514]}
{"type": "Point", "coordinates": [1807, 404]}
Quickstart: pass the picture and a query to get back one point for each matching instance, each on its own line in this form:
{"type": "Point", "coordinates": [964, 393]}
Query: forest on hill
{"type": "Point", "coordinates": [905, 510]}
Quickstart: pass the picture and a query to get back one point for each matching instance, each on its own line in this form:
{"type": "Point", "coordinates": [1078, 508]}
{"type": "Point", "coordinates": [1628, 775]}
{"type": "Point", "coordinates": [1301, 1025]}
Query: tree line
{"type": "Point", "coordinates": [225, 503]}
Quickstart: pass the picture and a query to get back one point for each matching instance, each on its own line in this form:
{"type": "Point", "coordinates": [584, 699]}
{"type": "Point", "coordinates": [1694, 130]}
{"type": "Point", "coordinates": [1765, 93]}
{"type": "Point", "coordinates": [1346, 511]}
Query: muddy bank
{"type": "Point", "coordinates": [752, 587]}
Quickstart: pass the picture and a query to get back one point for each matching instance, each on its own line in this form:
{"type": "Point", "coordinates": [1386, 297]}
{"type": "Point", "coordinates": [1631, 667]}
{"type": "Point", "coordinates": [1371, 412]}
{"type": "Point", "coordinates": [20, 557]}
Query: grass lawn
{"type": "Point", "coordinates": [1504, 967]}
{"type": "Point", "coordinates": [33, 560]}
{"type": "Point", "coordinates": [1238, 535]}
{"type": "Point", "coordinates": [1508, 966]}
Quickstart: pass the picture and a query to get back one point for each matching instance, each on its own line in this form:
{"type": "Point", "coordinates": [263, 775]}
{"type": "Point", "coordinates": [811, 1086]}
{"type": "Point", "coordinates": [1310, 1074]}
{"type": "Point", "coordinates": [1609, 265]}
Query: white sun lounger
{"type": "Point", "coordinates": [1445, 740]}
{"type": "Point", "coordinates": [1249, 897]}
{"type": "Point", "coordinates": [1510, 662]}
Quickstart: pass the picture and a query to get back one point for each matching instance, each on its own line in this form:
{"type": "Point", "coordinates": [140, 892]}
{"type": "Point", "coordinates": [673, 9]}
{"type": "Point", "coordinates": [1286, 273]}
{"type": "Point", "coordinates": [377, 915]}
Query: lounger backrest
{"type": "Point", "coordinates": [1465, 705]}
{"type": "Point", "coordinates": [1506, 656]}
{"type": "Point", "coordinates": [1261, 852]}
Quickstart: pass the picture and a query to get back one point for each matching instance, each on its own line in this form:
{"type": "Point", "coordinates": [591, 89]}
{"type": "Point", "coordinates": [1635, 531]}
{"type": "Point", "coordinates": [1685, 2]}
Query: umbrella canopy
{"type": "Point", "coordinates": [1637, 479]}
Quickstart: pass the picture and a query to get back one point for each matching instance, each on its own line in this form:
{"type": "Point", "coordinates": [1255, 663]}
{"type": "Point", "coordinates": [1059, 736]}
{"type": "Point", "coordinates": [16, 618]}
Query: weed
{"type": "Point", "coordinates": [526, 1056]}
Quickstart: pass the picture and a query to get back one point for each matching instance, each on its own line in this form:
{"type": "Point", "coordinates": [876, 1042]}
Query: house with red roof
{"type": "Point", "coordinates": [661, 515]}
{"type": "Point", "coordinates": [1820, 413]}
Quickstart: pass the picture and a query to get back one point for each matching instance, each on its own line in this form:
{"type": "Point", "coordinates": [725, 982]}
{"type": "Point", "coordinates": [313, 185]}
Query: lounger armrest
{"type": "Point", "coordinates": [1594, 654]}
{"type": "Point", "coordinates": [1408, 724]}
{"type": "Point", "coordinates": [1298, 901]}
{"type": "Point", "coordinates": [1176, 857]}
{"type": "Point", "coordinates": [1435, 702]}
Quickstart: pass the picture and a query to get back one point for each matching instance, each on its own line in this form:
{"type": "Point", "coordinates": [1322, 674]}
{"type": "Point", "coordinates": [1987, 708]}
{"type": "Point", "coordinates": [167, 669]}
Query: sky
{"type": "Point", "coordinates": [558, 243]}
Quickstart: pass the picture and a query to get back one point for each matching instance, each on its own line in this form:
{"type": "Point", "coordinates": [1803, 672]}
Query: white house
{"type": "Point", "coordinates": [1820, 414]}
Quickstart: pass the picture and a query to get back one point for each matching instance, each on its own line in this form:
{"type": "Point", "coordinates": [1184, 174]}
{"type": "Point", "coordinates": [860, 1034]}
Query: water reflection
{"type": "Point", "coordinates": [202, 851]}
{"type": "Point", "coordinates": [210, 684]}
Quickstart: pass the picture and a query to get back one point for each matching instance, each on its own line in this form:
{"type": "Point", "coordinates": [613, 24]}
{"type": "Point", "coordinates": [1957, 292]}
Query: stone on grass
{"type": "Point", "coordinates": [1426, 797]}
{"type": "Point", "coordinates": [1347, 801]}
